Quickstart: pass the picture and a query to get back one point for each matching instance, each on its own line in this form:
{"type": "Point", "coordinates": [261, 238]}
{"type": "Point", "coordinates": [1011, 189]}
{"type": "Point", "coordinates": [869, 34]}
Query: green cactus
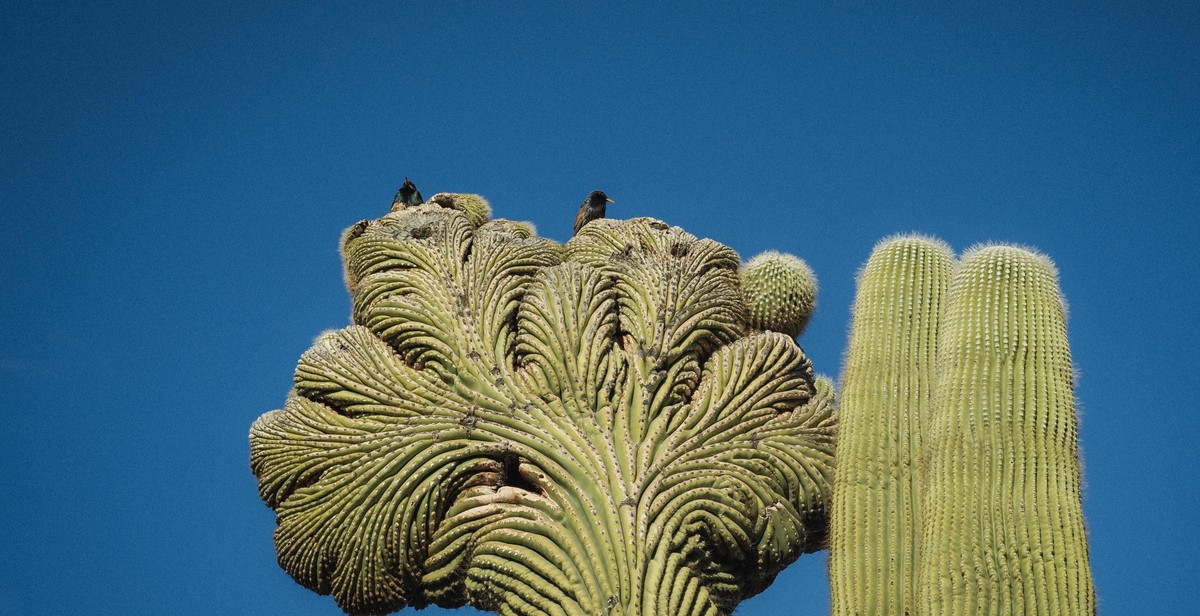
{"type": "Point", "coordinates": [887, 397]}
{"type": "Point", "coordinates": [528, 427]}
{"type": "Point", "coordinates": [957, 489]}
{"type": "Point", "coordinates": [477, 209]}
{"type": "Point", "coordinates": [1003, 528]}
{"type": "Point", "coordinates": [624, 424]}
{"type": "Point", "coordinates": [780, 292]}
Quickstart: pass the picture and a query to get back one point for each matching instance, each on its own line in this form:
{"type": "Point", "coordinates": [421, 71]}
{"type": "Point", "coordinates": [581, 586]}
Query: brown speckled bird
{"type": "Point", "coordinates": [592, 208]}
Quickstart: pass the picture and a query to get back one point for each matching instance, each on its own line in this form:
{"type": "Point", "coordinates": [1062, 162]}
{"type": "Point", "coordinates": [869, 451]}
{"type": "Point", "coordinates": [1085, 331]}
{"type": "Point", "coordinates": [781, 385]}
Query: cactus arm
{"type": "Point", "coordinates": [1004, 530]}
{"type": "Point", "coordinates": [886, 399]}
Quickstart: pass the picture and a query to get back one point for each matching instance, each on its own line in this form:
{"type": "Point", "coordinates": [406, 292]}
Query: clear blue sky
{"type": "Point", "coordinates": [173, 182]}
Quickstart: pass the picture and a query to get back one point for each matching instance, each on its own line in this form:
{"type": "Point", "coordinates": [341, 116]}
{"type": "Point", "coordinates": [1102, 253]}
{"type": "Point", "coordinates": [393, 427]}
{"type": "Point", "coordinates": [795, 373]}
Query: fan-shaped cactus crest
{"type": "Point", "coordinates": [529, 427]}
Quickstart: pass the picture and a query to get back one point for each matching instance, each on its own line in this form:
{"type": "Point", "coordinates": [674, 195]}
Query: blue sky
{"type": "Point", "coordinates": [175, 180]}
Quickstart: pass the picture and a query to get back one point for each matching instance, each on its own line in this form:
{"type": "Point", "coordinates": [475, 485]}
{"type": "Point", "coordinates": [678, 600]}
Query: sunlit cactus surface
{"type": "Point", "coordinates": [1003, 529]}
{"type": "Point", "coordinates": [534, 428]}
{"type": "Point", "coordinates": [780, 292]}
{"type": "Point", "coordinates": [958, 479]}
{"type": "Point", "coordinates": [886, 402]}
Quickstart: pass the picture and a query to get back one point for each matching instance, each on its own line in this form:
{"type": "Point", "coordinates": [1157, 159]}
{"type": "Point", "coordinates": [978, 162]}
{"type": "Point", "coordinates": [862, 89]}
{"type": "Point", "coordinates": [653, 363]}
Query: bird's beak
{"type": "Point", "coordinates": [609, 200]}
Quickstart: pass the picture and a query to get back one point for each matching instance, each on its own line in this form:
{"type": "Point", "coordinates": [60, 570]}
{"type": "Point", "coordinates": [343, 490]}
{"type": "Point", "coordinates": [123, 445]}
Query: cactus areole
{"type": "Point", "coordinates": [598, 427]}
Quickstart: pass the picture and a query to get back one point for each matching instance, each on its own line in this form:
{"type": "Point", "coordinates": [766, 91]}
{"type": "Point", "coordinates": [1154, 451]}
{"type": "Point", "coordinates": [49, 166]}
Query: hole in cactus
{"type": "Point", "coordinates": [816, 531]}
{"type": "Point", "coordinates": [421, 232]}
{"type": "Point", "coordinates": [357, 230]}
{"type": "Point", "coordinates": [513, 476]}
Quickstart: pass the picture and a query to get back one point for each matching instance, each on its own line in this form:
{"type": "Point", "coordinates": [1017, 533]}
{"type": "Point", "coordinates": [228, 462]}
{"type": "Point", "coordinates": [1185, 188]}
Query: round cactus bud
{"type": "Point", "coordinates": [780, 292]}
{"type": "Point", "coordinates": [477, 209]}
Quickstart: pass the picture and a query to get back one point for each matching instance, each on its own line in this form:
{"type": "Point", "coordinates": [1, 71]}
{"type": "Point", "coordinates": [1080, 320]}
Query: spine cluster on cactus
{"type": "Point", "coordinates": [958, 483]}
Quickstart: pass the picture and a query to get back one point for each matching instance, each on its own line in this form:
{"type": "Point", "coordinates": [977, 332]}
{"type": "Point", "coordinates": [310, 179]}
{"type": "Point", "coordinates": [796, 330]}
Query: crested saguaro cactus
{"type": "Point", "coordinates": [528, 427]}
{"type": "Point", "coordinates": [958, 482]}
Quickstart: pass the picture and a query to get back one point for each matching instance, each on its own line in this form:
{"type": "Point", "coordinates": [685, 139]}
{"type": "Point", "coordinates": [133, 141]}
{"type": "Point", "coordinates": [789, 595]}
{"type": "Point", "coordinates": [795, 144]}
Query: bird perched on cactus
{"type": "Point", "coordinates": [407, 196]}
{"type": "Point", "coordinates": [591, 209]}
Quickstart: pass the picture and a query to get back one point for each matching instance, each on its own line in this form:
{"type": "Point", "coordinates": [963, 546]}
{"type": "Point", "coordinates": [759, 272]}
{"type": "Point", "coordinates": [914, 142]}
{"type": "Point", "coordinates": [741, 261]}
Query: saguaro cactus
{"type": "Point", "coordinates": [887, 400]}
{"type": "Point", "coordinates": [780, 292]}
{"type": "Point", "coordinates": [591, 428]}
{"type": "Point", "coordinates": [1003, 528]}
{"type": "Point", "coordinates": [957, 489]}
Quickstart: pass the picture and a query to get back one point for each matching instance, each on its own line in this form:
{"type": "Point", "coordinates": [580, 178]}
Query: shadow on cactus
{"type": "Point", "coordinates": [596, 427]}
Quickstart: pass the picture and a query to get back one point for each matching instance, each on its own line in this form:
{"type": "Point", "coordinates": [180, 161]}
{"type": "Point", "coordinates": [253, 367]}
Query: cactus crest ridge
{"type": "Point", "coordinates": [477, 209]}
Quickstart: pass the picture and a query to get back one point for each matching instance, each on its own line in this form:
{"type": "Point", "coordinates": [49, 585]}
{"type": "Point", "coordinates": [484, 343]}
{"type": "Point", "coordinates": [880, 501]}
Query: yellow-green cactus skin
{"type": "Point", "coordinates": [477, 209]}
{"type": "Point", "coordinates": [958, 485]}
{"type": "Point", "coordinates": [887, 399]}
{"type": "Point", "coordinates": [624, 424]}
{"type": "Point", "coordinates": [536, 428]}
{"type": "Point", "coordinates": [780, 292]}
{"type": "Point", "coordinates": [1003, 526]}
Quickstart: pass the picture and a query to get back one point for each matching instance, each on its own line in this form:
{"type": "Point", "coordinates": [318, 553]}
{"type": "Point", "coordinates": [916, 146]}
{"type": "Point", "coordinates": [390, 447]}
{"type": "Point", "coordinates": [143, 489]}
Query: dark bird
{"type": "Point", "coordinates": [407, 196]}
{"type": "Point", "coordinates": [592, 208]}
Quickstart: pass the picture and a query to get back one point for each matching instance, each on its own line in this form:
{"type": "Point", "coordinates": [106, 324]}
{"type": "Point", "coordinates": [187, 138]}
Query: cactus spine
{"type": "Point", "coordinates": [886, 400]}
{"type": "Point", "coordinates": [1003, 531]}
